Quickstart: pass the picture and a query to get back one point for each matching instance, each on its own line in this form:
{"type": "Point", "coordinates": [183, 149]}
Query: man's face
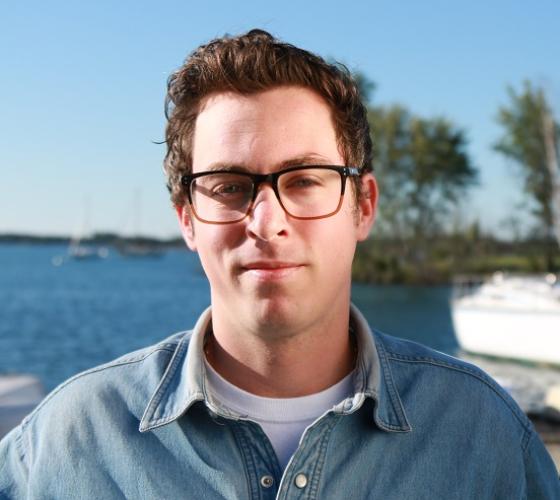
{"type": "Point", "coordinates": [271, 272]}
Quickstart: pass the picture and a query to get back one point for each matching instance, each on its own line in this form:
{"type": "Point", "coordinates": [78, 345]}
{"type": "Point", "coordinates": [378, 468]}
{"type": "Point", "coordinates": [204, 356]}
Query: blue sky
{"type": "Point", "coordinates": [83, 83]}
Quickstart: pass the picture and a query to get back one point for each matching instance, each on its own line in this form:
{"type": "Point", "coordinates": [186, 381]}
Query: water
{"type": "Point", "coordinates": [57, 321]}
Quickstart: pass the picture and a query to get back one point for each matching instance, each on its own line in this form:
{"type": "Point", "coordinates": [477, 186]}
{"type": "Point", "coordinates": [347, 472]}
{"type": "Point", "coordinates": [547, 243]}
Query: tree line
{"type": "Point", "coordinates": [424, 172]}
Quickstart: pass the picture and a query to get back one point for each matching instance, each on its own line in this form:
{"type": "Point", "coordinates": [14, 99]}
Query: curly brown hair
{"type": "Point", "coordinates": [251, 63]}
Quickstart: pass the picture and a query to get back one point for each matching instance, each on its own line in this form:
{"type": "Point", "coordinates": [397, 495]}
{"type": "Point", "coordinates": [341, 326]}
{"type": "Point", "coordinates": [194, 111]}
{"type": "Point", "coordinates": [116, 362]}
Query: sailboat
{"type": "Point", "coordinates": [77, 249]}
{"type": "Point", "coordinates": [137, 245]}
{"type": "Point", "coordinates": [516, 317]}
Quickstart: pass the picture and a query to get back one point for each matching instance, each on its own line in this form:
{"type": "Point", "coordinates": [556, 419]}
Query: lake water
{"type": "Point", "coordinates": [57, 321]}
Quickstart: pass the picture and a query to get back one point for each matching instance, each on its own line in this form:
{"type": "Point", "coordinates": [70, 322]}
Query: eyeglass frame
{"type": "Point", "coordinates": [272, 179]}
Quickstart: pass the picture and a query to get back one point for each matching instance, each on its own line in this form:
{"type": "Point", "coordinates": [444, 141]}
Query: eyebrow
{"type": "Point", "coordinates": [231, 167]}
{"type": "Point", "coordinates": [307, 159]}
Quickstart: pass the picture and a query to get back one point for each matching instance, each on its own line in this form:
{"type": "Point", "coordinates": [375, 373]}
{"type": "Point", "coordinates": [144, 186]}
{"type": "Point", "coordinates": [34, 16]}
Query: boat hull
{"type": "Point", "coordinates": [526, 335]}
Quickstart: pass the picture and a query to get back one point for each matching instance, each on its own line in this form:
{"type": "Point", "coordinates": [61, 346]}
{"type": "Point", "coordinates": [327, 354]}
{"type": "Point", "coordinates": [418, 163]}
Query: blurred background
{"type": "Point", "coordinates": [464, 106]}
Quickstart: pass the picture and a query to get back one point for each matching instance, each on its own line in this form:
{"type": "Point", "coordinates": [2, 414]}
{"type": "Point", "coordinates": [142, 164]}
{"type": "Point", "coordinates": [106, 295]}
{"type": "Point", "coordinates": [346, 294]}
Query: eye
{"type": "Point", "coordinates": [230, 189]}
{"type": "Point", "coordinates": [303, 181]}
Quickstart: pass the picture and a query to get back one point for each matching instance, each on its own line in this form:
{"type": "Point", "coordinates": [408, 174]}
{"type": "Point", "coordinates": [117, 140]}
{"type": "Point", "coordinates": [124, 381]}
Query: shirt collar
{"type": "Point", "coordinates": [183, 382]}
{"type": "Point", "coordinates": [374, 379]}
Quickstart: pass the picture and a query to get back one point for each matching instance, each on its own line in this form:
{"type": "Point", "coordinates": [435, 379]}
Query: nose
{"type": "Point", "coordinates": [267, 219]}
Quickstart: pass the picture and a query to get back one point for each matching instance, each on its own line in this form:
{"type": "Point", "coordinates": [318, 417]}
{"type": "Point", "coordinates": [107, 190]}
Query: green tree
{"type": "Point", "coordinates": [530, 138]}
{"type": "Point", "coordinates": [423, 170]}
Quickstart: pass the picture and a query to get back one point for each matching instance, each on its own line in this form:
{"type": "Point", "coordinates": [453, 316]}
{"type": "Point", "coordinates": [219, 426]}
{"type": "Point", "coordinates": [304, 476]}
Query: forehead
{"type": "Point", "coordinates": [264, 128]}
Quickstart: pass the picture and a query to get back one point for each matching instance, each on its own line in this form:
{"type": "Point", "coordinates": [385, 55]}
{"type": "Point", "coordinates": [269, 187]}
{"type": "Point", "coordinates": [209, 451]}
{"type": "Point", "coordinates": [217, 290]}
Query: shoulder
{"type": "Point", "coordinates": [461, 407]}
{"type": "Point", "coordinates": [448, 381]}
{"type": "Point", "coordinates": [86, 419]}
{"type": "Point", "coordinates": [124, 384]}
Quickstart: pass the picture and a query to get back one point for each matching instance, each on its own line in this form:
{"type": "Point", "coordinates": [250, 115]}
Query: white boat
{"type": "Point", "coordinates": [516, 317]}
{"type": "Point", "coordinates": [138, 248]}
{"type": "Point", "coordinates": [77, 250]}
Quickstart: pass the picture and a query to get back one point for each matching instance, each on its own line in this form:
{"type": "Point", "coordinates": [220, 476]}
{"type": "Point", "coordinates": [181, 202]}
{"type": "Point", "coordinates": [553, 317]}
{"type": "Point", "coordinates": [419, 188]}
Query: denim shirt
{"type": "Point", "coordinates": [421, 425]}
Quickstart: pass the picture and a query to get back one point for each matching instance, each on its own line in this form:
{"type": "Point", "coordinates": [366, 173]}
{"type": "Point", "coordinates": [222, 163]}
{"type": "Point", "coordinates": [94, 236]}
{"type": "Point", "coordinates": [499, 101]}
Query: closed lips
{"type": "Point", "coordinates": [270, 265]}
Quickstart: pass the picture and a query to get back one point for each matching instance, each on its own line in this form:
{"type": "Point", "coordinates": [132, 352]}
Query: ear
{"type": "Point", "coordinates": [186, 225]}
{"type": "Point", "coordinates": [367, 206]}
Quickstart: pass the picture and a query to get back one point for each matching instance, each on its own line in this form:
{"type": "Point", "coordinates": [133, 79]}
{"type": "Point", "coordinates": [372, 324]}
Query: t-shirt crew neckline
{"type": "Point", "coordinates": [268, 409]}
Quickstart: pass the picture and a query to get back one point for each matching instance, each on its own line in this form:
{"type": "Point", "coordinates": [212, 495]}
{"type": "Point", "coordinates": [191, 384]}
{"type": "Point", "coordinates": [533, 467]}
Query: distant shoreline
{"type": "Point", "coordinates": [378, 261]}
{"type": "Point", "coordinates": [96, 239]}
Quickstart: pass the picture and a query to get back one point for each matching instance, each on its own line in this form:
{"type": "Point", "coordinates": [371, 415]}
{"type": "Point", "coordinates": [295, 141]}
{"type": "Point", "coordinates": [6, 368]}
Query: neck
{"type": "Point", "coordinates": [295, 364]}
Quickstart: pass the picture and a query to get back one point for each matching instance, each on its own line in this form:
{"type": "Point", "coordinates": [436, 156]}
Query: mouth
{"type": "Point", "coordinates": [270, 270]}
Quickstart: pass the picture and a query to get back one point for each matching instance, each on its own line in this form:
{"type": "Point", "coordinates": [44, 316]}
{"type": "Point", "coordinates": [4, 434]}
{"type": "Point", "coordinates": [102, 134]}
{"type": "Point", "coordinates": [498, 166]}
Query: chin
{"type": "Point", "coordinates": [275, 316]}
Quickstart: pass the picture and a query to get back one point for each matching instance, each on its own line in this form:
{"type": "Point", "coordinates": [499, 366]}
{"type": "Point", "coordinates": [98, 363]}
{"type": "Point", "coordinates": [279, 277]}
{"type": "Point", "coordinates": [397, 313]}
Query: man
{"type": "Point", "coordinates": [281, 390]}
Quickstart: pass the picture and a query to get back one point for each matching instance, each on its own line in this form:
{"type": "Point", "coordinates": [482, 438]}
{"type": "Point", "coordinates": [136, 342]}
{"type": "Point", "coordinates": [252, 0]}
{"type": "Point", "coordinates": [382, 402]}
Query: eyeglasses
{"type": "Point", "coordinates": [304, 192]}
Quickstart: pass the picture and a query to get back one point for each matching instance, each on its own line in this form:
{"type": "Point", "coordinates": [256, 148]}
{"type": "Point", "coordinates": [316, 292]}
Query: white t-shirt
{"type": "Point", "coordinates": [282, 419]}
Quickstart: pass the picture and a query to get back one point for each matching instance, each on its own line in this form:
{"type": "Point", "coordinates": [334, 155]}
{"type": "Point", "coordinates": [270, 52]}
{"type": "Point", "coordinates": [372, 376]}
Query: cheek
{"type": "Point", "coordinates": [343, 255]}
{"type": "Point", "coordinates": [214, 244]}
{"type": "Point", "coordinates": [346, 236]}
{"type": "Point", "coordinates": [335, 241]}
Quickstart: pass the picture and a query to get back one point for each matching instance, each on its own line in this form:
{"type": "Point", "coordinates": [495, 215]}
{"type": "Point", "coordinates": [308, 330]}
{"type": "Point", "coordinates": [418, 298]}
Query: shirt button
{"type": "Point", "coordinates": [267, 481]}
{"type": "Point", "coordinates": [301, 481]}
